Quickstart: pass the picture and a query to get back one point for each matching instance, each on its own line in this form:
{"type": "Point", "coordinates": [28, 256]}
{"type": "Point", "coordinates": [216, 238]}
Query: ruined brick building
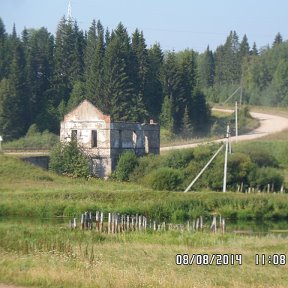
{"type": "Point", "coordinates": [103, 141]}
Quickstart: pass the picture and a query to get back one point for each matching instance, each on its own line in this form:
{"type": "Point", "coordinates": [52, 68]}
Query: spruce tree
{"type": "Point", "coordinates": [39, 73]}
{"type": "Point", "coordinates": [118, 86]}
{"type": "Point", "coordinates": [68, 59]}
{"type": "Point", "coordinates": [167, 114]}
{"type": "Point", "coordinates": [18, 80]}
{"type": "Point", "coordinates": [3, 51]}
{"type": "Point", "coordinates": [94, 67]}
{"type": "Point", "coordinates": [188, 82]}
{"type": "Point", "coordinates": [153, 97]}
{"type": "Point", "coordinates": [207, 69]}
{"type": "Point", "coordinates": [254, 50]}
{"type": "Point", "coordinates": [77, 96]}
{"type": "Point", "coordinates": [172, 91]}
{"type": "Point", "coordinates": [228, 65]}
{"type": "Point", "coordinates": [14, 117]}
{"type": "Point", "coordinates": [139, 64]}
{"type": "Point", "coordinates": [278, 39]}
{"type": "Point", "coordinates": [187, 128]}
{"type": "Point", "coordinates": [244, 49]}
{"type": "Point", "coordinates": [123, 104]}
{"type": "Point", "coordinates": [200, 112]}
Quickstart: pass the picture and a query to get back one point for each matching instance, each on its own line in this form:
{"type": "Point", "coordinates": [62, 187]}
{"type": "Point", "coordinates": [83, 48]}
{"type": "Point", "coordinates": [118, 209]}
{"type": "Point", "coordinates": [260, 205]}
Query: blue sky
{"type": "Point", "coordinates": [174, 24]}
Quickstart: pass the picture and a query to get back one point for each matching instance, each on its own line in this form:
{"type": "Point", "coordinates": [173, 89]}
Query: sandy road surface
{"type": "Point", "coordinates": [268, 124]}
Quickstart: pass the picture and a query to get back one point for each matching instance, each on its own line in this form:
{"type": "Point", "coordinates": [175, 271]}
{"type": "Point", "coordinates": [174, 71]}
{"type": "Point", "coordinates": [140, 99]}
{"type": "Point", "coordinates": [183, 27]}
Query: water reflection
{"type": "Point", "coordinates": [257, 227]}
{"type": "Point", "coordinates": [232, 226]}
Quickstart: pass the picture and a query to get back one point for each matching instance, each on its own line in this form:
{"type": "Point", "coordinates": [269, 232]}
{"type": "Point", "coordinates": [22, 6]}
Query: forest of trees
{"type": "Point", "coordinates": [43, 76]}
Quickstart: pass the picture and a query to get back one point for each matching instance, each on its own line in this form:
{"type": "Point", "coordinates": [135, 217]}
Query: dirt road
{"type": "Point", "coordinates": [268, 124]}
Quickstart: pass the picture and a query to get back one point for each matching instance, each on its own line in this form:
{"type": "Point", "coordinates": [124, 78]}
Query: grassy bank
{"type": "Point", "coordinates": [28, 191]}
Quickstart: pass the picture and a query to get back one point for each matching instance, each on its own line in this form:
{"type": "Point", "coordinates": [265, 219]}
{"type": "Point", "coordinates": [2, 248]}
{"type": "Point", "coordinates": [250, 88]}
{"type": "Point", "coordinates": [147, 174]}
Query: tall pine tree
{"type": "Point", "coordinates": [94, 65]}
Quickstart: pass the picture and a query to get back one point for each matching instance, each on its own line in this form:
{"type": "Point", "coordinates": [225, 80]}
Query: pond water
{"type": "Point", "coordinates": [233, 226]}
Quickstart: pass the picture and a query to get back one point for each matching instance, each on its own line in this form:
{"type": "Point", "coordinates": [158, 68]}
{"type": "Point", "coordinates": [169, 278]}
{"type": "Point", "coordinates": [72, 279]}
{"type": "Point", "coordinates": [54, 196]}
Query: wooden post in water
{"type": "Point", "coordinates": [101, 221]}
{"type": "Point", "coordinates": [97, 226]}
{"type": "Point", "coordinates": [145, 223]}
{"type": "Point", "coordinates": [188, 225]}
{"type": "Point", "coordinates": [117, 223]}
{"type": "Point", "coordinates": [214, 224]}
{"type": "Point", "coordinates": [82, 221]}
{"type": "Point", "coordinates": [128, 223]}
{"type": "Point", "coordinates": [201, 223]}
{"type": "Point", "coordinates": [90, 221]}
{"type": "Point", "coordinates": [197, 224]}
{"type": "Point", "coordinates": [193, 225]}
{"type": "Point", "coordinates": [112, 223]}
{"type": "Point", "coordinates": [109, 223]}
{"type": "Point", "coordinates": [136, 223]}
{"type": "Point", "coordinates": [71, 224]}
{"type": "Point", "coordinates": [122, 223]}
{"type": "Point", "coordinates": [223, 225]}
{"type": "Point", "coordinates": [133, 222]}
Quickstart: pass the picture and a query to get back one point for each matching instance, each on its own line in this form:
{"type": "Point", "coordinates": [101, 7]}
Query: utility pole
{"type": "Point", "coordinates": [241, 91]}
{"type": "Point", "coordinates": [202, 171]}
{"type": "Point", "coordinates": [226, 158]}
{"type": "Point", "coordinates": [236, 120]}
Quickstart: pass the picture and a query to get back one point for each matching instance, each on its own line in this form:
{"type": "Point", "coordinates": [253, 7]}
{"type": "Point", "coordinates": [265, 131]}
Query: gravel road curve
{"type": "Point", "coordinates": [268, 124]}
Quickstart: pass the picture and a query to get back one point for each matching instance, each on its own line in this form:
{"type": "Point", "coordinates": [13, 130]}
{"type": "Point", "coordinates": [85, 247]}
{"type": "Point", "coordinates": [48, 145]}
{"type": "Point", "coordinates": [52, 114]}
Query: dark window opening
{"type": "Point", "coordinates": [94, 138]}
{"type": "Point", "coordinates": [74, 135]}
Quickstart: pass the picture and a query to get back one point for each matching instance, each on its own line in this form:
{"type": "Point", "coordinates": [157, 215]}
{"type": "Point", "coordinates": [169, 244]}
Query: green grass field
{"type": "Point", "coordinates": [36, 253]}
{"type": "Point", "coordinates": [44, 254]}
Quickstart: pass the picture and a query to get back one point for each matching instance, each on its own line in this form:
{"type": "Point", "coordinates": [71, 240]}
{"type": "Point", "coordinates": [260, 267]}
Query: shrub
{"type": "Point", "coordinates": [164, 179]}
{"type": "Point", "coordinates": [145, 165]}
{"type": "Point", "coordinates": [259, 154]}
{"type": "Point", "coordinates": [179, 159]}
{"type": "Point", "coordinates": [261, 177]}
{"type": "Point", "coordinates": [34, 140]}
{"type": "Point", "coordinates": [67, 158]}
{"type": "Point", "coordinates": [125, 166]}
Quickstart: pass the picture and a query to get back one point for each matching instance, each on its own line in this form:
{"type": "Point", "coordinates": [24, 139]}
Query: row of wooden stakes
{"type": "Point", "coordinates": [118, 223]}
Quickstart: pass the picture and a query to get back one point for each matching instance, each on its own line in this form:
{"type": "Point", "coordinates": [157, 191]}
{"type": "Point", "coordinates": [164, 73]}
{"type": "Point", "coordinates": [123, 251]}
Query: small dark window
{"type": "Point", "coordinates": [94, 138]}
{"type": "Point", "coordinates": [74, 135]}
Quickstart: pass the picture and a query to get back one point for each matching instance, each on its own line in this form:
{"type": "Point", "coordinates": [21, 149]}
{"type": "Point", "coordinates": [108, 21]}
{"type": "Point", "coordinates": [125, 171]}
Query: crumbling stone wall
{"type": "Point", "coordinates": [104, 141]}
